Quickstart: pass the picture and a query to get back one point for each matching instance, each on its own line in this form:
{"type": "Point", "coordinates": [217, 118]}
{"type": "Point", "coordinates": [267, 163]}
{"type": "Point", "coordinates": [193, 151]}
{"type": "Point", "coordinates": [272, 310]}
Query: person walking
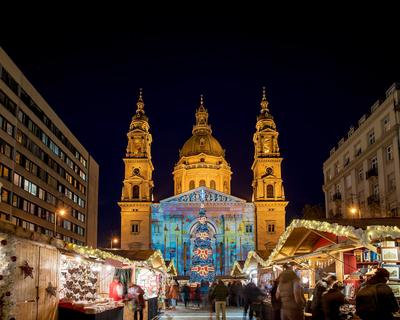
{"type": "Point", "coordinates": [316, 303]}
{"type": "Point", "coordinates": [376, 299]}
{"type": "Point", "coordinates": [204, 287]}
{"type": "Point", "coordinates": [251, 295]}
{"type": "Point", "coordinates": [291, 294]}
{"type": "Point", "coordinates": [332, 299]}
{"type": "Point", "coordinates": [185, 294]}
{"type": "Point", "coordinates": [275, 303]}
{"type": "Point", "coordinates": [220, 293]}
{"type": "Point", "coordinates": [174, 295]}
{"type": "Point", "coordinates": [136, 295]}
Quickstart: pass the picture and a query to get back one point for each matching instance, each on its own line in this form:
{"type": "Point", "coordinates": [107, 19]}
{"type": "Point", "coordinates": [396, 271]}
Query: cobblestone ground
{"type": "Point", "coordinates": [198, 314]}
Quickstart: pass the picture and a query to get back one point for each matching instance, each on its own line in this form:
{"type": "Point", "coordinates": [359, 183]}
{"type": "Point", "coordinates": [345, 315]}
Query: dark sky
{"type": "Point", "coordinates": [319, 82]}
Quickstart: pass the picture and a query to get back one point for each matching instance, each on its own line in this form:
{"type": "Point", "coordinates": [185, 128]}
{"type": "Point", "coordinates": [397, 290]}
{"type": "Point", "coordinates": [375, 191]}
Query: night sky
{"type": "Point", "coordinates": [319, 83]}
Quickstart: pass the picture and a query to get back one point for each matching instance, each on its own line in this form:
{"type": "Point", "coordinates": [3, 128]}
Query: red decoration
{"type": "Point", "coordinates": [27, 270]}
{"type": "Point", "coordinates": [203, 270]}
{"type": "Point", "coordinates": [203, 253]}
{"type": "Point", "coordinates": [13, 258]}
{"type": "Point", "coordinates": [4, 242]}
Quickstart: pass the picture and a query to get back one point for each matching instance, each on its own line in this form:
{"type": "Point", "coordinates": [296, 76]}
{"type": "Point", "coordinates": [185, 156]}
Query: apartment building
{"type": "Point", "coordinates": [48, 180]}
{"type": "Point", "coordinates": [362, 174]}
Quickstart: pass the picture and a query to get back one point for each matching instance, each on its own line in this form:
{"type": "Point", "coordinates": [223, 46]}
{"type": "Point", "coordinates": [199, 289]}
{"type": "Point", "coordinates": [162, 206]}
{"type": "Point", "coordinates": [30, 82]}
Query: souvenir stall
{"type": "Point", "coordinates": [150, 273]}
{"type": "Point", "coordinates": [348, 252]}
{"type": "Point", "coordinates": [253, 268]}
{"type": "Point", "coordinates": [88, 286]}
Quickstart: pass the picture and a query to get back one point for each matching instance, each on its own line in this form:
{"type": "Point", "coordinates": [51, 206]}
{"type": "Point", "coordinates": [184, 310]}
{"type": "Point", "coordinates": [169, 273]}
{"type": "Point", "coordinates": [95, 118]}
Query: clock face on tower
{"type": "Point", "coordinates": [269, 171]}
{"type": "Point", "coordinates": [136, 171]}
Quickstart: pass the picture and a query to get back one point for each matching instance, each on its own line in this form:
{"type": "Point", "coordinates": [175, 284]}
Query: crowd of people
{"type": "Point", "coordinates": [374, 299]}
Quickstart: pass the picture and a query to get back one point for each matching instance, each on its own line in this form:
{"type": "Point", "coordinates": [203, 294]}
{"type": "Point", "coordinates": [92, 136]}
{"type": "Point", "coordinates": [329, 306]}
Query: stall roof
{"type": "Point", "coordinates": [153, 257]}
{"type": "Point", "coordinates": [303, 237]}
{"type": "Point", "coordinates": [254, 258]}
{"type": "Point", "coordinates": [171, 267]}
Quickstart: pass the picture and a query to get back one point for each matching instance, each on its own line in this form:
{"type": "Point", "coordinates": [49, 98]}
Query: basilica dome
{"type": "Point", "coordinates": [202, 143]}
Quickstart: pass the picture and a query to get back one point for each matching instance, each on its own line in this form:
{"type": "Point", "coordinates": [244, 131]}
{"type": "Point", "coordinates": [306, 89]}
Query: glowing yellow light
{"type": "Point", "coordinates": [353, 210]}
{"type": "Point", "coordinates": [61, 212]}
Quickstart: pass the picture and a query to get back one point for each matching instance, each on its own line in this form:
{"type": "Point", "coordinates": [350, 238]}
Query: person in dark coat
{"type": "Point", "coordinates": [251, 295]}
{"type": "Point", "coordinates": [316, 304]}
{"type": "Point", "coordinates": [186, 294]}
{"type": "Point", "coordinates": [332, 300]}
{"type": "Point", "coordinates": [385, 303]}
{"type": "Point", "coordinates": [275, 303]}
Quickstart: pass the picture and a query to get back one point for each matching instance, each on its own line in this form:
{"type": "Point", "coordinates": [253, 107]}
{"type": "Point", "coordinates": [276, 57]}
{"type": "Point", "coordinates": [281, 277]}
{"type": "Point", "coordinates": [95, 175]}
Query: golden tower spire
{"type": "Point", "coordinates": [264, 102]}
{"type": "Point", "coordinates": [140, 103]}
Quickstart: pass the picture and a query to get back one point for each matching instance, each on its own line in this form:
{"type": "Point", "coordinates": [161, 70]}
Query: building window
{"type": "Point", "coordinates": [374, 163]}
{"type": "Point", "coordinates": [360, 174]}
{"type": "Point", "coordinates": [202, 183]}
{"type": "Point", "coordinates": [375, 190]}
{"type": "Point", "coordinates": [226, 187]}
{"type": "Point", "coordinates": [249, 228]}
{"type": "Point", "coordinates": [336, 168]}
{"type": "Point", "coordinates": [386, 124]}
{"type": "Point", "coordinates": [348, 181]}
{"type": "Point", "coordinates": [136, 192]}
{"type": "Point", "coordinates": [389, 153]}
{"type": "Point", "coordinates": [135, 227]}
{"type": "Point", "coordinates": [371, 137]}
{"type": "Point", "coordinates": [328, 175]}
{"type": "Point", "coordinates": [191, 184]}
{"type": "Point", "coordinates": [391, 182]}
{"type": "Point", "coordinates": [270, 191]}
{"type": "Point", "coordinates": [357, 150]}
{"type": "Point", "coordinates": [346, 160]}
{"type": "Point", "coordinates": [212, 184]}
{"type": "Point", "coordinates": [271, 228]}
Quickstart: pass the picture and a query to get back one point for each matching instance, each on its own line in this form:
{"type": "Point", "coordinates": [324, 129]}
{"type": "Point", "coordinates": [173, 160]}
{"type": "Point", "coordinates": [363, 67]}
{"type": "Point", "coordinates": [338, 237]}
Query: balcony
{"type": "Point", "coordinates": [336, 196]}
{"type": "Point", "coordinates": [373, 172]}
{"type": "Point", "coordinates": [373, 200]}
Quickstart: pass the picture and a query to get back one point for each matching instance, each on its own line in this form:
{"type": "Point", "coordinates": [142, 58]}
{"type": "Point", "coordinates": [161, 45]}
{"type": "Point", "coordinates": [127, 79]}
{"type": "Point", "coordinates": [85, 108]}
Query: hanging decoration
{"type": "Point", "coordinates": [7, 276]}
{"type": "Point", "coordinates": [52, 291]}
{"type": "Point", "coordinates": [202, 261]}
{"type": "Point", "coordinates": [27, 270]}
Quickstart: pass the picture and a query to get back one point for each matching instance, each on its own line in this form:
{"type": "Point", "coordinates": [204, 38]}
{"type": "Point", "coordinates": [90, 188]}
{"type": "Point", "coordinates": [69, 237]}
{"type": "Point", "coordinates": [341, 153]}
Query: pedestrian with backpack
{"type": "Point", "coordinates": [376, 299]}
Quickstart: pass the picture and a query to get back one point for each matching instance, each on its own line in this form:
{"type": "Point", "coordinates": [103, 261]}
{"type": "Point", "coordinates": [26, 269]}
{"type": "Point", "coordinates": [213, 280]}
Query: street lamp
{"type": "Point", "coordinates": [60, 212]}
{"type": "Point", "coordinates": [114, 240]}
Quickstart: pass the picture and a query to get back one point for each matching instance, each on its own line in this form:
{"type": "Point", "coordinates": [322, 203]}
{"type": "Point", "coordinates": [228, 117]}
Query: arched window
{"type": "Point", "coordinates": [270, 191]}
{"type": "Point", "coordinates": [191, 184]}
{"type": "Point", "coordinates": [136, 192]}
{"type": "Point", "coordinates": [226, 186]}
{"type": "Point", "coordinates": [202, 183]}
{"type": "Point", "coordinates": [212, 184]}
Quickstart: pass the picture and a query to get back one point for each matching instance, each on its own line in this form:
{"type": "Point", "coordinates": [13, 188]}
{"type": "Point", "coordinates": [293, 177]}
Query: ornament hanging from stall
{"type": "Point", "coordinates": [27, 270]}
{"type": "Point", "coordinates": [52, 291]}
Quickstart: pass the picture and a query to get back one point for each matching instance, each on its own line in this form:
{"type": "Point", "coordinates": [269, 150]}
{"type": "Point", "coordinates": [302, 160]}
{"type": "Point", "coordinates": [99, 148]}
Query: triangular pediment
{"type": "Point", "coordinates": [196, 195]}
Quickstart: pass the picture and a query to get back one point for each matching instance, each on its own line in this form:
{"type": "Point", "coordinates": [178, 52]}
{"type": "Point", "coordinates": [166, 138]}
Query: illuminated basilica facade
{"type": "Point", "coordinates": [202, 176]}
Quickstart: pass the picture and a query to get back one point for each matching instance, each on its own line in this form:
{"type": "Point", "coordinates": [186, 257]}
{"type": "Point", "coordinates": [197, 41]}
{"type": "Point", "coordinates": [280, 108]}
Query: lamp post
{"type": "Point", "coordinates": [60, 212]}
{"type": "Point", "coordinates": [113, 240]}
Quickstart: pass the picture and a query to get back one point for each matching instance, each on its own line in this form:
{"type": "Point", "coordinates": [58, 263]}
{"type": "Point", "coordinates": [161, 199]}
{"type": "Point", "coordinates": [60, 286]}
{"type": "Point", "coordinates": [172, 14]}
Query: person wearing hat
{"type": "Point", "coordinates": [376, 299]}
{"type": "Point", "coordinates": [332, 299]}
{"type": "Point", "coordinates": [316, 303]}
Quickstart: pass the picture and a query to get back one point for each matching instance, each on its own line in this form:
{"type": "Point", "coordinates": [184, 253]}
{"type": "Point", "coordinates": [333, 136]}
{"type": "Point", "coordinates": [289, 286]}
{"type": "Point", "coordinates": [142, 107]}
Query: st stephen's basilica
{"type": "Point", "coordinates": [202, 177]}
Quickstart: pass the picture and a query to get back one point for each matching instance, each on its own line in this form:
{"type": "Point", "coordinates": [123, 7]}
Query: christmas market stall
{"type": "Point", "coordinates": [151, 273]}
{"type": "Point", "coordinates": [319, 248]}
{"type": "Point", "coordinates": [253, 268]}
{"type": "Point", "coordinates": [29, 268]}
{"type": "Point", "coordinates": [93, 283]}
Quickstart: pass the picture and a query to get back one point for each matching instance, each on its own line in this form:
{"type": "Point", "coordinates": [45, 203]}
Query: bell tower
{"type": "Point", "coordinates": [268, 192]}
{"type": "Point", "coordinates": [137, 190]}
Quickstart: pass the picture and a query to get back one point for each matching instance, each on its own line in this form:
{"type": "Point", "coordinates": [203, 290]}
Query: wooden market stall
{"type": "Point", "coordinates": [151, 273]}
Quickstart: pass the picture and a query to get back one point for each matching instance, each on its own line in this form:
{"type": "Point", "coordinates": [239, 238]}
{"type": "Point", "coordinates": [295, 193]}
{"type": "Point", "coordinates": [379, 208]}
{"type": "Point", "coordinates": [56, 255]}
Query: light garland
{"type": "Point", "coordinates": [8, 275]}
